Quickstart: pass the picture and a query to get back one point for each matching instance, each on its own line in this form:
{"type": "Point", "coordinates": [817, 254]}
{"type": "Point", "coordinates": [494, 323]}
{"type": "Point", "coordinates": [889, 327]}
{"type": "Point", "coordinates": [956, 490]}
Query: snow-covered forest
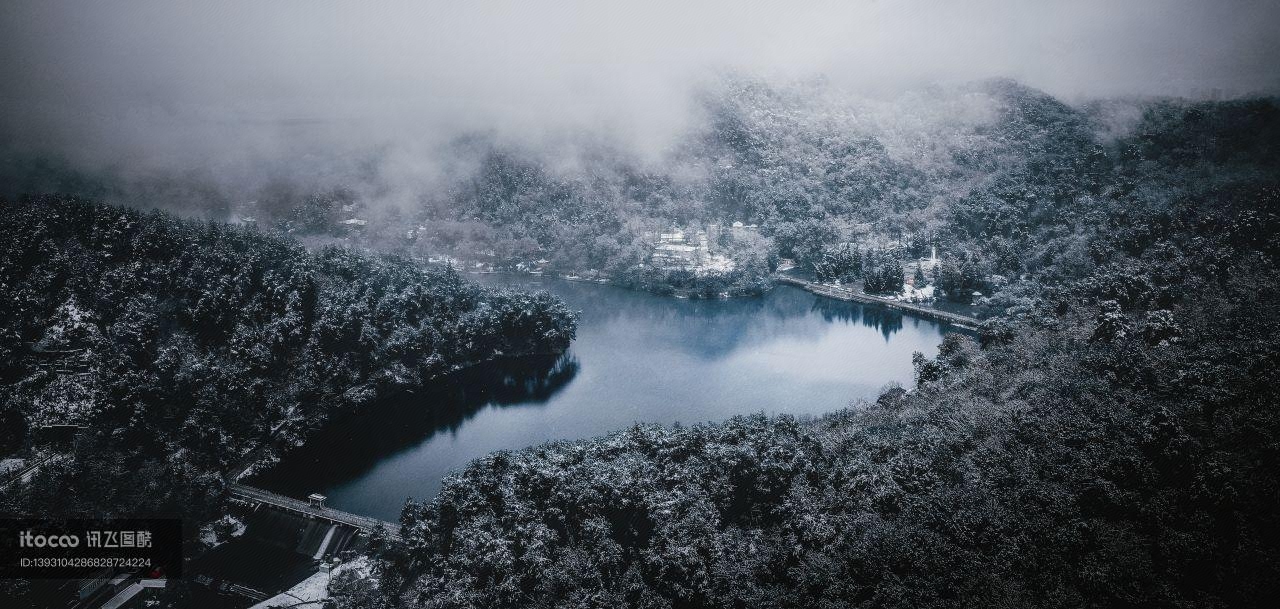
{"type": "Point", "coordinates": [1006, 182]}
{"type": "Point", "coordinates": [232, 228]}
{"type": "Point", "coordinates": [1106, 439]}
{"type": "Point", "coordinates": [187, 349]}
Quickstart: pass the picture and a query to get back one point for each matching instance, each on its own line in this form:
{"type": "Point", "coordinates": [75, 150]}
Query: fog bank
{"type": "Point", "coordinates": [229, 88]}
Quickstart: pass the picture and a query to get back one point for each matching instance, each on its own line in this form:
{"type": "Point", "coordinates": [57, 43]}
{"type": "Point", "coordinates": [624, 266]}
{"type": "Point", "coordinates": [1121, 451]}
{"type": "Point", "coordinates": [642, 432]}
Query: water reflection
{"type": "Point", "coordinates": [709, 328]}
{"type": "Point", "coordinates": [371, 435]}
{"type": "Point", "coordinates": [637, 358]}
{"type": "Point", "coordinates": [887, 321]}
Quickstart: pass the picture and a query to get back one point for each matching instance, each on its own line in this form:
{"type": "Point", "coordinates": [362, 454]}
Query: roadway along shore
{"type": "Point", "coordinates": [955, 319]}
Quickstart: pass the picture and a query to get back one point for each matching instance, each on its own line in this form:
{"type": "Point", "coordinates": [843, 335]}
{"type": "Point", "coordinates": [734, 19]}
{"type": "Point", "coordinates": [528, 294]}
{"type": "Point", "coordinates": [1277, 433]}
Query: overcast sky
{"type": "Point", "coordinates": [170, 78]}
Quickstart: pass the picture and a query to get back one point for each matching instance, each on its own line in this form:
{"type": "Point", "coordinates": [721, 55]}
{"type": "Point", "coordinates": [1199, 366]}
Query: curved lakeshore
{"type": "Point", "coordinates": [638, 357]}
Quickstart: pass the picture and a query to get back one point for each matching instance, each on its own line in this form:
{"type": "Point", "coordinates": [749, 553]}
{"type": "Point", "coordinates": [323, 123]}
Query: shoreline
{"type": "Point", "coordinates": [269, 453]}
{"type": "Point", "coordinates": [256, 459]}
{"type": "Point", "coordinates": [962, 321]}
{"type": "Point", "coordinates": [683, 294]}
{"type": "Point", "coordinates": [263, 459]}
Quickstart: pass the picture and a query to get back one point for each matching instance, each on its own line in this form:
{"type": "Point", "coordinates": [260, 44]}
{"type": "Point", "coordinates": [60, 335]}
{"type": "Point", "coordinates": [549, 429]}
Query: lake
{"type": "Point", "coordinates": [637, 358]}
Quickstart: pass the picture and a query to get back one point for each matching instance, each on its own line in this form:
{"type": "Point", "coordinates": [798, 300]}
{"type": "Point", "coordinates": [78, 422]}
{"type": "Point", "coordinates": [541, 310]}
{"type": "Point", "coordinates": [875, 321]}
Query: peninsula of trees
{"type": "Point", "coordinates": [184, 348]}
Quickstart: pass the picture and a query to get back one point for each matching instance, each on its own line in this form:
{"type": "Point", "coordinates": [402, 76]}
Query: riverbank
{"type": "Point", "coordinates": [955, 319]}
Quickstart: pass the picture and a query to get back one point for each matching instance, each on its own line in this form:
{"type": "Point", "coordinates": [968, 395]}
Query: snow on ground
{"type": "Point", "coordinates": [314, 588]}
{"type": "Point", "coordinates": [230, 526]}
{"type": "Point", "coordinates": [11, 466]}
{"type": "Point", "coordinates": [715, 265]}
{"type": "Point", "coordinates": [910, 294]}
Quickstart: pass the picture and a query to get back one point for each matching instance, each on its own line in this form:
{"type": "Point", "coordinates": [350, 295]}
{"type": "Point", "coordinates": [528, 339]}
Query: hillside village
{"type": "Point", "coordinates": [674, 249]}
{"type": "Point", "coordinates": [706, 259]}
{"type": "Point", "coordinates": [702, 252]}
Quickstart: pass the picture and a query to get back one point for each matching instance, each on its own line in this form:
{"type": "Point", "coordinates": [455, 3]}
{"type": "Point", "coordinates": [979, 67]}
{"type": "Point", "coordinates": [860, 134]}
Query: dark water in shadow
{"type": "Point", "coordinates": [638, 357]}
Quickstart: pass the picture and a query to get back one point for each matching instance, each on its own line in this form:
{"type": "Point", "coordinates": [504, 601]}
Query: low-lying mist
{"type": "Point", "coordinates": [203, 108]}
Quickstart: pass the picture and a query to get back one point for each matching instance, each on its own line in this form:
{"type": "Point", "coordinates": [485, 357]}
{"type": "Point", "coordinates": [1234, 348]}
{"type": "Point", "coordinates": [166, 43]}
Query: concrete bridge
{"type": "Point", "coordinates": [257, 496]}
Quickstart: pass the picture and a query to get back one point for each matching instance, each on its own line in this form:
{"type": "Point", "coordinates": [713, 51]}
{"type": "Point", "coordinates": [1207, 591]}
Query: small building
{"type": "Point", "coordinates": [316, 500]}
{"type": "Point", "coordinates": [739, 229]}
{"type": "Point", "coordinates": [675, 236]}
{"type": "Point", "coordinates": [670, 255]}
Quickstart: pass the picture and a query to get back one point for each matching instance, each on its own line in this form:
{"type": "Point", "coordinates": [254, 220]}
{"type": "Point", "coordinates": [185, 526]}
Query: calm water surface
{"type": "Point", "coordinates": [638, 357]}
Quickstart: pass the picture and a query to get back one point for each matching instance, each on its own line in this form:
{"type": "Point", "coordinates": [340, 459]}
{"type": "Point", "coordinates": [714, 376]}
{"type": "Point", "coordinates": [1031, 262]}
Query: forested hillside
{"type": "Point", "coordinates": [1006, 181]}
{"type": "Point", "coordinates": [1113, 446]}
{"type": "Point", "coordinates": [1110, 441]}
{"type": "Point", "coordinates": [183, 346]}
